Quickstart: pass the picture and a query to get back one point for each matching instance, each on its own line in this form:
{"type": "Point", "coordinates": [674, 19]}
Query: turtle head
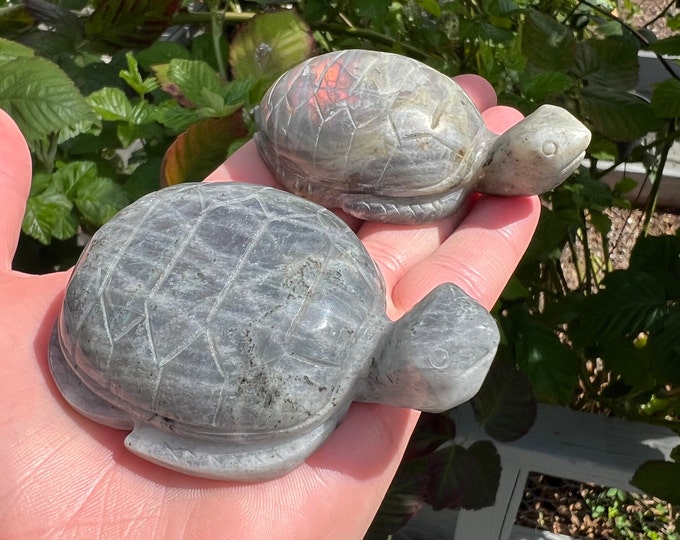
{"type": "Point", "coordinates": [536, 155]}
{"type": "Point", "coordinates": [435, 357]}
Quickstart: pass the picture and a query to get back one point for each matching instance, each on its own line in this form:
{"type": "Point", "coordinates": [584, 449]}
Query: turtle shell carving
{"type": "Point", "coordinates": [388, 138]}
{"type": "Point", "coordinates": [229, 326]}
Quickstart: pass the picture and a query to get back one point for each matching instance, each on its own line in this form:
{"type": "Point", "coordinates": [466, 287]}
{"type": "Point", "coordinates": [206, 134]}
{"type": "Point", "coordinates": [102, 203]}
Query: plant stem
{"type": "Point", "coordinates": [372, 35]}
{"type": "Point", "coordinates": [656, 183]}
{"type": "Point", "coordinates": [642, 39]}
{"type": "Point", "coordinates": [216, 13]}
{"type": "Point", "coordinates": [227, 17]}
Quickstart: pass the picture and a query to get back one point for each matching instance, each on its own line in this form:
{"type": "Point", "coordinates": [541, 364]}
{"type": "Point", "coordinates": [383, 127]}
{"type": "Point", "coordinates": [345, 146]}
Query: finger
{"type": "Point", "coordinates": [501, 118]}
{"type": "Point", "coordinates": [478, 89]}
{"type": "Point", "coordinates": [15, 183]}
{"type": "Point", "coordinates": [245, 165]}
{"type": "Point", "coordinates": [480, 255]}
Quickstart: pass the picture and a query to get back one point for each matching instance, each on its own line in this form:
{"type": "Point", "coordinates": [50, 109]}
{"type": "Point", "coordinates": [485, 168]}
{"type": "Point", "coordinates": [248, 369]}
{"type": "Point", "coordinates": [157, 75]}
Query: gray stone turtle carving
{"type": "Point", "coordinates": [230, 326]}
{"type": "Point", "coordinates": [387, 138]}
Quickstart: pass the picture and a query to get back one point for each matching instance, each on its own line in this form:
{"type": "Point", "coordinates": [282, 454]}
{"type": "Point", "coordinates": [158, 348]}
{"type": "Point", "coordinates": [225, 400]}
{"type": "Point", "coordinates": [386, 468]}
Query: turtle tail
{"type": "Point", "coordinates": [436, 356]}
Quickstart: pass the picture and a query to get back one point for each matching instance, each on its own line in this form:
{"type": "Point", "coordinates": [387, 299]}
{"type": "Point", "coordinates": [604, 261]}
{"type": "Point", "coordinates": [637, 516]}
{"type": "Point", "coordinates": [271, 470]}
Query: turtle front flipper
{"type": "Point", "coordinates": [403, 210]}
{"type": "Point", "coordinates": [436, 356]}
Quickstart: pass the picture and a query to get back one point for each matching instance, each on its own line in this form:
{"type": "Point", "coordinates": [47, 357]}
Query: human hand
{"type": "Point", "coordinates": [65, 476]}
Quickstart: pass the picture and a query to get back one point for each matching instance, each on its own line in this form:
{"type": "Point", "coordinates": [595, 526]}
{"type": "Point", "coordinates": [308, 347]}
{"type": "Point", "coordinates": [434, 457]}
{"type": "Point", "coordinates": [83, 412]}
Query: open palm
{"type": "Point", "coordinates": [65, 476]}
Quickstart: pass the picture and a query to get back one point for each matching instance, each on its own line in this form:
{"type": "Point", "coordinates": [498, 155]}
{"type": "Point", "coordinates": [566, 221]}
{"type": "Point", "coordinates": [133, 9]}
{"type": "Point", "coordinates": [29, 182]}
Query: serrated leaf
{"type": "Point", "coordinates": [630, 302]}
{"type": "Point", "coordinates": [611, 62]}
{"type": "Point", "coordinates": [547, 43]}
{"type": "Point", "coordinates": [49, 215]}
{"type": "Point", "coordinates": [193, 78]}
{"type": "Point", "coordinates": [616, 114]}
{"type": "Point", "coordinates": [546, 84]}
{"type": "Point", "coordinates": [134, 79]}
{"type": "Point", "coordinates": [99, 199]}
{"type": "Point", "coordinates": [660, 479]}
{"type": "Point", "coordinates": [463, 477]}
{"type": "Point", "coordinates": [111, 104]}
{"type": "Point", "coordinates": [373, 11]}
{"type": "Point", "coordinates": [450, 474]}
{"type": "Point", "coordinates": [664, 350]}
{"type": "Point", "coordinates": [199, 150]}
{"type": "Point", "coordinates": [505, 404]}
{"type": "Point", "coordinates": [41, 98]}
{"type": "Point", "coordinates": [10, 50]}
{"type": "Point", "coordinates": [68, 176]}
{"type": "Point", "coordinates": [270, 44]}
{"type": "Point", "coordinates": [128, 24]}
{"type": "Point", "coordinates": [666, 99]}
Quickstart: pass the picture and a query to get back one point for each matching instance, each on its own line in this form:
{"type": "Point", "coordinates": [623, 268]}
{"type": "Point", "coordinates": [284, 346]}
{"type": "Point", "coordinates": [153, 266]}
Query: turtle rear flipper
{"type": "Point", "coordinates": [403, 210]}
{"type": "Point", "coordinates": [250, 461]}
{"type": "Point", "coordinates": [436, 356]}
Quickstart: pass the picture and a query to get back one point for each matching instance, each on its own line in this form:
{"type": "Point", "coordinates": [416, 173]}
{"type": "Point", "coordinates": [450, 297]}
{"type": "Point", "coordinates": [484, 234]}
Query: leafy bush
{"type": "Point", "coordinates": [118, 98]}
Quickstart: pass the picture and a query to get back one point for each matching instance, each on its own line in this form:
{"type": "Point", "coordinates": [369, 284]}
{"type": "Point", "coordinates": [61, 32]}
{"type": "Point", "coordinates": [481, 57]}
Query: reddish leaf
{"type": "Point", "coordinates": [129, 24]}
{"type": "Point", "coordinates": [200, 149]}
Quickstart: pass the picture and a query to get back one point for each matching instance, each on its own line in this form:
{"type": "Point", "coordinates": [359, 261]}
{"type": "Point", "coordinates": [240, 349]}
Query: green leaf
{"type": "Point", "coordinates": [547, 43]}
{"type": "Point", "coordinates": [128, 24]}
{"type": "Point", "coordinates": [505, 404]}
{"type": "Point", "coordinates": [630, 303]}
{"type": "Point", "coordinates": [10, 50]}
{"type": "Point", "coordinates": [133, 77]}
{"type": "Point", "coordinates": [49, 215]}
{"type": "Point", "coordinates": [270, 44]}
{"type": "Point", "coordinates": [664, 350]}
{"type": "Point", "coordinates": [611, 62]}
{"type": "Point", "coordinates": [550, 365]}
{"type": "Point", "coordinates": [199, 150]}
{"type": "Point", "coordinates": [618, 115]}
{"type": "Point", "coordinates": [161, 52]}
{"type": "Point", "coordinates": [666, 99]}
{"type": "Point", "coordinates": [669, 46]}
{"type": "Point", "coordinates": [111, 104]}
{"type": "Point", "coordinates": [660, 479]}
{"type": "Point", "coordinates": [374, 11]}
{"type": "Point", "coordinates": [659, 256]}
{"type": "Point", "coordinates": [431, 6]}
{"type": "Point", "coordinates": [98, 200]}
{"type": "Point", "coordinates": [41, 98]}
{"type": "Point", "coordinates": [194, 78]}
{"type": "Point", "coordinates": [546, 84]}
{"type": "Point", "coordinates": [463, 477]}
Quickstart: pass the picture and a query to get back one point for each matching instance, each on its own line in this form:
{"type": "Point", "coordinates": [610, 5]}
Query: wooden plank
{"type": "Point", "coordinates": [563, 443]}
{"type": "Point", "coordinates": [523, 533]}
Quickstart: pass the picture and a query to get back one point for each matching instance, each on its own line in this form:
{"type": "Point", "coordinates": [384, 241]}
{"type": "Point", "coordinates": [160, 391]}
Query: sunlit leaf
{"type": "Point", "coordinates": [40, 97]}
{"type": "Point", "coordinates": [200, 149]}
{"type": "Point", "coordinates": [270, 44]}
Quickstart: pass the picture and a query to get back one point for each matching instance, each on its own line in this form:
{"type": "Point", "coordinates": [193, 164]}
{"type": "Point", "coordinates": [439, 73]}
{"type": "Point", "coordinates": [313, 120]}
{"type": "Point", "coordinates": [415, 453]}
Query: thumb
{"type": "Point", "coordinates": [15, 183]}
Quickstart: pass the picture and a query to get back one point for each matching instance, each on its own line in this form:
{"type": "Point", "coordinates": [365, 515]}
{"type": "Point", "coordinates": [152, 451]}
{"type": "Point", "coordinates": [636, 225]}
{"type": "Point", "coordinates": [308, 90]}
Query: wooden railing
{"type": "Point", "coordinates": [562, 443]}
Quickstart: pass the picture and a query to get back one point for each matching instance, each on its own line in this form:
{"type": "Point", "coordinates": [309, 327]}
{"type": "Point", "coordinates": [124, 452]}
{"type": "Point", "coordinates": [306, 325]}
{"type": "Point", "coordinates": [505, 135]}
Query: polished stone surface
{"type": "Point", "coordinates": [230, 326]}
{"type": "Point", "coordinates": [387, 138]}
